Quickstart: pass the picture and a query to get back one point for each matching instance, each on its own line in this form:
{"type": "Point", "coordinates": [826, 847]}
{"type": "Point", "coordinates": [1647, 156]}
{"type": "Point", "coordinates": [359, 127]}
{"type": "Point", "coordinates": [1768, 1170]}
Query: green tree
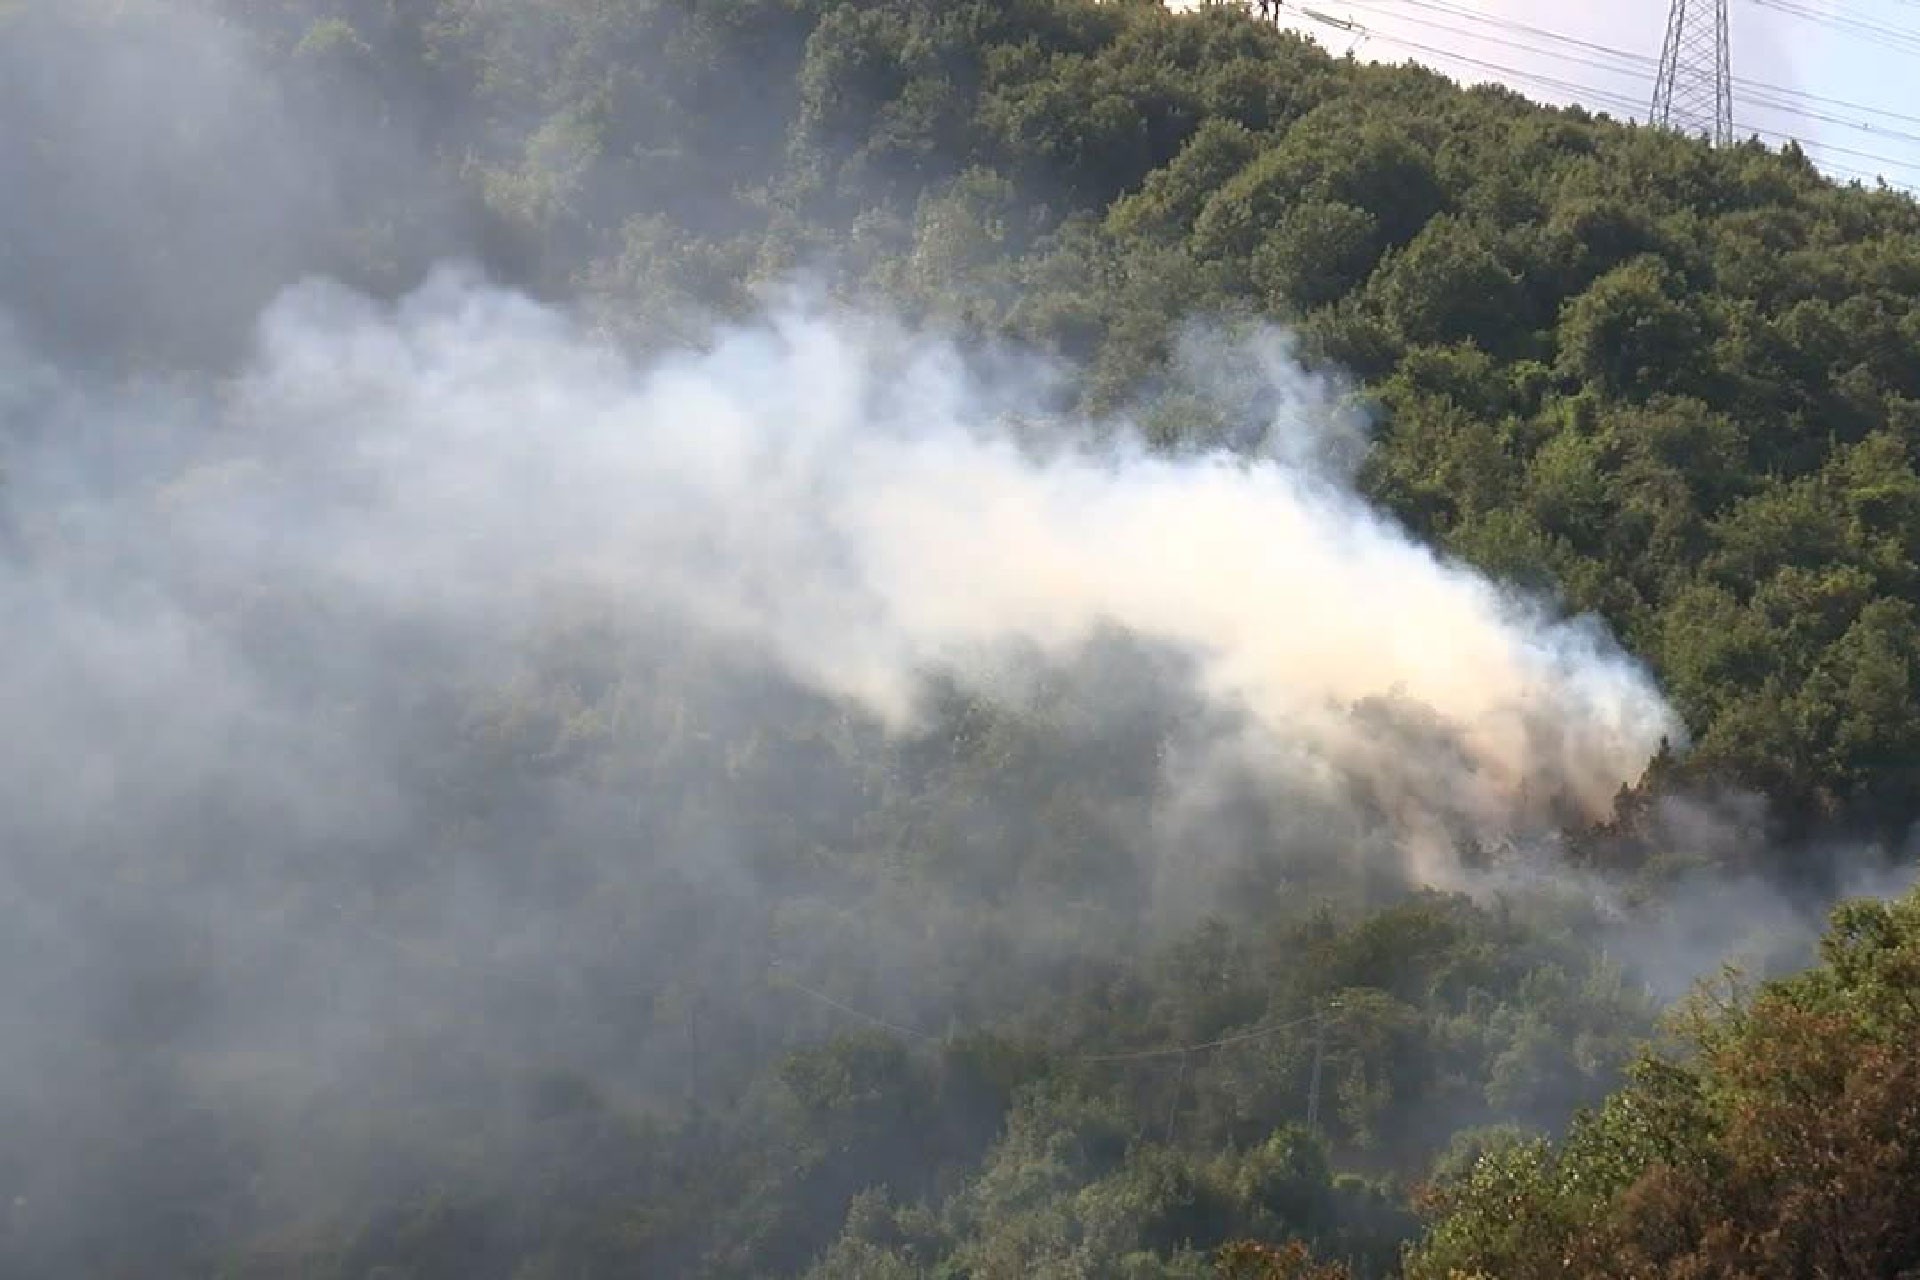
{"type": "Point", "coordinates": [1632, 333]}
{"type": "Point", "coordinates": [1787, 1145]}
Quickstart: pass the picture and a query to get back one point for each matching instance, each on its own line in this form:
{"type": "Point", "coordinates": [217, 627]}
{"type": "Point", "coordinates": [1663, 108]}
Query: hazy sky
{"type": "Point", "coordinates": [1858, 59]}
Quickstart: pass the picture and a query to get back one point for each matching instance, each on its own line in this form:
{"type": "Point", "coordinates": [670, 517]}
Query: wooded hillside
{"type": "Point", "coordinates": [931, 1019]}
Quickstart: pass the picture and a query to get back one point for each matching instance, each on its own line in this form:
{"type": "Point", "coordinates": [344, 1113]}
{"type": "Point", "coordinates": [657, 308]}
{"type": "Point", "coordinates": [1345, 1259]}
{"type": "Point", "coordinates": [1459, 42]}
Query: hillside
{"type": "Point", "coordinates": [1675, 383]}
{"type": "Point", "coordinates": [430, 853]}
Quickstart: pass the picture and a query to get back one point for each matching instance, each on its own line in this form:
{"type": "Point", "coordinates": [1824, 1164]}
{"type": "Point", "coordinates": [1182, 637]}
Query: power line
{"type": "Point", "coordinates": [1590, 93]}
{"type": "Point", "coordinates": [1763, 98]}
{"type": "Point", "coordinates": [1141, 1055]}
{"type": "Point", "coordinates": [1514, 44]}
{"type": "Point", "coordinates": [911, 1033]}
{"type": "Point", "coordinates": [1898, 135]}
{"type": "Point", "coordinates": [1125, 1055]}
{"type": "Point", "coordinates": [1865, 175]}
{"type": "Point", "coordinates": [1458, 11]}
{"type": "Point", "coordinates": [1834, 147]}
{"type": "Point", "coordinates": [1759, 93]}
{"type": "Point", "coordinates": [1748, 89]}
{"type": "Point", "coordinates": [1878, 33]}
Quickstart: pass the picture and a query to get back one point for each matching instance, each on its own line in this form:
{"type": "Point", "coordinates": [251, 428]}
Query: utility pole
{"type": "Point", "coordinates": [1693, 93]}
{"type": "Point", "coordinates": [1179, 1080]}
{"type": "Point", "coordinates": [693, 1052]}
{"type": "Point", "coordinates": [1319, 1061]}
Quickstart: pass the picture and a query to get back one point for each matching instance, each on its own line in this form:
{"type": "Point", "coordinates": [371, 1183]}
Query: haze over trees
{"type": "Point", "coordinates": [360, 925]}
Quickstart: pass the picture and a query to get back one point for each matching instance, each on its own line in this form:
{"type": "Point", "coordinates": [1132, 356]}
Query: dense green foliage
{"type": "Point", "coordinates": [1677, 385]}
{"type": "Point", "coordinates": [1787, 1144]}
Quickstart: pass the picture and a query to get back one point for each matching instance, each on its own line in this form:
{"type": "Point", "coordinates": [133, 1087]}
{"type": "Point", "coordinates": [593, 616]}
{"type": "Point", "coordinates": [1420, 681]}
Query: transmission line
{"type": "Point", "coordinates": [1592, 94]}
{"type": "Point", "coordinates": [1755, 93]}
{"type": "Point", "coordinates": [1172, 1051]}
{"type": "Point", "coordinates": [1878, 33]}
{"type": "Point", "coordinates": [1638, 62]}
{"type": "Point", "coordinates": [912, 1033]}
{"type": "Point", "coordinates": [1124, 1055]}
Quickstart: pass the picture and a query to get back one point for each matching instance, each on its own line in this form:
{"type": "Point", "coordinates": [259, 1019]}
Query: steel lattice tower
{"type": "Point", "coordinates": [1694, 93]}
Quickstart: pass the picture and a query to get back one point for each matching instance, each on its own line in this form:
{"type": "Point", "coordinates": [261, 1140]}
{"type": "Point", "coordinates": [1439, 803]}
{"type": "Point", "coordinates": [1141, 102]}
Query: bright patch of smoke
{"type": "Point", "coordinates": [869, 508]}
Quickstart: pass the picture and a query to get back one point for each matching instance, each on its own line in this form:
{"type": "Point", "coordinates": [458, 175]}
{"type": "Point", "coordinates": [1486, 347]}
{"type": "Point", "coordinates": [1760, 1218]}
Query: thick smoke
{"type": "Point", "coordinates": [248, 614]}
{"type": "Point", "coordinates": [854, 503]}
{"type": "Point", "coordinates": [277, 829]}
{"type": "Point", "coordinates": [278, 839]}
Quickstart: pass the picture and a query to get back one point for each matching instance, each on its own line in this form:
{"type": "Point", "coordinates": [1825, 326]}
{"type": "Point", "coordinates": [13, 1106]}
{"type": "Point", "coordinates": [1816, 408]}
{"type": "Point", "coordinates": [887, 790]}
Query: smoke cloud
{"type": "Point", "coordinates": [862, 506]}
{"type": "Point", "coordinates": [250, 615]}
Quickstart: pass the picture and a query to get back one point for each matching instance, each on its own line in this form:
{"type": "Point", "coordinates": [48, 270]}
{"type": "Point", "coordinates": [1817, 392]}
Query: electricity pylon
{"type": "Point", "coordinates": [1694, 92]}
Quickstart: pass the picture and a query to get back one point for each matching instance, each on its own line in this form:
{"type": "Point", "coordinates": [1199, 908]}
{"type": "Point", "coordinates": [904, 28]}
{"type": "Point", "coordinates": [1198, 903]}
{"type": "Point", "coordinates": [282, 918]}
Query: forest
{"type": "Point", "coordinates": [502, 784]}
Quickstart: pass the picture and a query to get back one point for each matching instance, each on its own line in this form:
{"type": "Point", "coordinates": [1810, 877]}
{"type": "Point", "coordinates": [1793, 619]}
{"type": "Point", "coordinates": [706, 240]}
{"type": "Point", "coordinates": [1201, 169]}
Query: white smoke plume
{"type": "Point", "coordinates": [869, 507]}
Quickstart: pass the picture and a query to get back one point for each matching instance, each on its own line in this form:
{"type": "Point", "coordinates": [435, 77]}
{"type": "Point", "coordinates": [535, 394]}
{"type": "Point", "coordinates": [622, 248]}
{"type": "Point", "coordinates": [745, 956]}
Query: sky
{"type": "Point", "coordinates": [1840, 76]}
